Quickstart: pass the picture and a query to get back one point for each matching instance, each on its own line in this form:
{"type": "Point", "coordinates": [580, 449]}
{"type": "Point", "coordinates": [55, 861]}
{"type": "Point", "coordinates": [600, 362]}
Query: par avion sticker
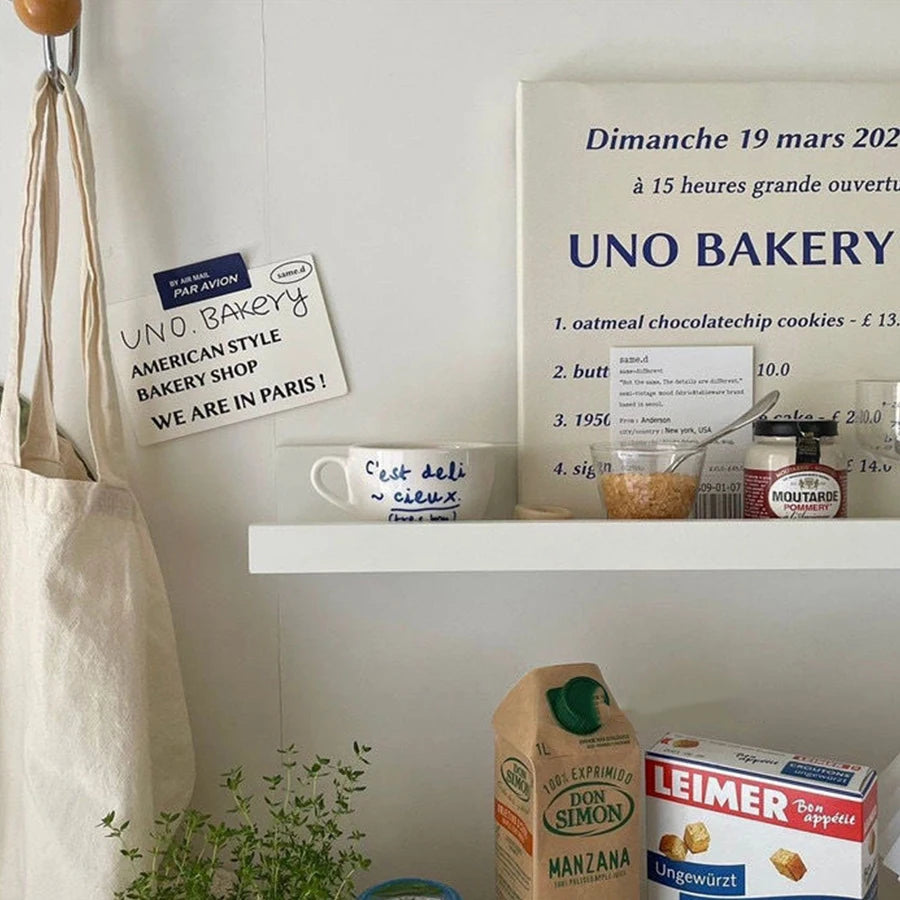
{"type": "Point", "coordinates": [202, 281]}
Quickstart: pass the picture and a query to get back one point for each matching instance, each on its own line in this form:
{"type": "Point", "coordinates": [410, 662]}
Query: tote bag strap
{"type": "Point", "coordinates": [103, 417]}
{"type": "Point", "coordinates": [10, 431]}
{"type": "Point", "coordinates": [103, 414]}
{"type": "Point", "coordinates": [40, 450]}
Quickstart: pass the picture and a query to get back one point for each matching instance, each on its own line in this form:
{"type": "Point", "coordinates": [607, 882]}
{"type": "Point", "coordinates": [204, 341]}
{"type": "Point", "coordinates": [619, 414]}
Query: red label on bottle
{"type": "Point", "coordinates": [804, 491]}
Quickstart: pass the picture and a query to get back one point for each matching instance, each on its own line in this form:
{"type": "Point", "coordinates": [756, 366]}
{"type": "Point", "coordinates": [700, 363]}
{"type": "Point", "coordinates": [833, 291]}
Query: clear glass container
{"type": "Point", "coordinates": [633, 482]}
{"type": "Point", "coordinates": [877, 416]}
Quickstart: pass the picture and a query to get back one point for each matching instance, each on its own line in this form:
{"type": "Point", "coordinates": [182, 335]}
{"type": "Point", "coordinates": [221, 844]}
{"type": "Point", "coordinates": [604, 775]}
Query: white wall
{"type": "Point", "coordinates": [379, 135]}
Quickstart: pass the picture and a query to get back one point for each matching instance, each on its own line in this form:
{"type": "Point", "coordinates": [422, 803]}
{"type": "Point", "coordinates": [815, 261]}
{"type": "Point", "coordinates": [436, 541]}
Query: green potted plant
{"type": "Point", "coordinates": [297, 844]}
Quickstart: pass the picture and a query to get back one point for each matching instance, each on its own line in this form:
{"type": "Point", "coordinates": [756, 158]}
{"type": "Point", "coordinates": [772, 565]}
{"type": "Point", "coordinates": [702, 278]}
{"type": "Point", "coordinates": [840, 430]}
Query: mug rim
{"type": "Point", "coordinates": [412, 447]}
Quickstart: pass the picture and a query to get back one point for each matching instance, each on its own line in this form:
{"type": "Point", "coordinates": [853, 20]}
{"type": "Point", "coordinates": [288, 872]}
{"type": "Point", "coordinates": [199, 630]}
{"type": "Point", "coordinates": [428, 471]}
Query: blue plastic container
{"type": "Point", "coordinates": [410, 889]}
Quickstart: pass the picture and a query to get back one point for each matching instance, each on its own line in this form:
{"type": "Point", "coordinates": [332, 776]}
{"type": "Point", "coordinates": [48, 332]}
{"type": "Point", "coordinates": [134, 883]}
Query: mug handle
{"type": "Point", "coordinates": [315, 476]}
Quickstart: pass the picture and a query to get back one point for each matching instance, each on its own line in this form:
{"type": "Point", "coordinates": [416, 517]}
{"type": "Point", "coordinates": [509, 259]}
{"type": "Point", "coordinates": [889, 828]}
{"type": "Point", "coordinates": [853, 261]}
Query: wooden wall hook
{"type": "Point", "coordinates": [49, 17]}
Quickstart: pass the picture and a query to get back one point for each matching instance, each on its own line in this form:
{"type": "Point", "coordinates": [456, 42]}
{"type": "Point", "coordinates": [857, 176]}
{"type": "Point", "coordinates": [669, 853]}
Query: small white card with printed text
{"type": "Point", "coordinates": [226, 359]}
{"type": "Point", "coordinates": [685, 394]}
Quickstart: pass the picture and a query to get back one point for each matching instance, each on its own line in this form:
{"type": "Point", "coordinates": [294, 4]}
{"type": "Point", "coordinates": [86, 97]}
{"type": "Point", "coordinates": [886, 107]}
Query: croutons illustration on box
{"type": "Point", "coordinates": [696, 837]}
{"type": "Point", "coordinates": [789, 864]}
{"type": "Point", "coordinates": [673, 846]}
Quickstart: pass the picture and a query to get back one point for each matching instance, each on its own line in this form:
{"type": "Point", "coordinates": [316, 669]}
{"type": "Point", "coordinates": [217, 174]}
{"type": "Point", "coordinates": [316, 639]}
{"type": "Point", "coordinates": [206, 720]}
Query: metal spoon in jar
{"type": "Point", "coordinates": [755, 411]}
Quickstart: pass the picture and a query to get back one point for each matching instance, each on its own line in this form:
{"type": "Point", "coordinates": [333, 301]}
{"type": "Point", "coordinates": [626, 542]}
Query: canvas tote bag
{"type": "Point", "coordinates": [92, 711]}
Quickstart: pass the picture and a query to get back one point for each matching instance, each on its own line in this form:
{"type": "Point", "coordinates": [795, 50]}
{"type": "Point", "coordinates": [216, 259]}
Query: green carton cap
{"type": "Point", "coordinates": [575, 704]}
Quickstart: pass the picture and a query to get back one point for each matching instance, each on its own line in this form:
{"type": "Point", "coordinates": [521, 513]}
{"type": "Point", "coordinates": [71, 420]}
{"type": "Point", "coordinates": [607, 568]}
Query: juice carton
{"type": "Point", "coordinates": [567, 793]}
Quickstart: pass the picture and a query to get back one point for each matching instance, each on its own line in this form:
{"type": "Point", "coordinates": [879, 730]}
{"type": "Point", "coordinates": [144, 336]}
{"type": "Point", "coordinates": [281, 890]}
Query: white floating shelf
{"type": "Point", "coordinates": [573, 546]}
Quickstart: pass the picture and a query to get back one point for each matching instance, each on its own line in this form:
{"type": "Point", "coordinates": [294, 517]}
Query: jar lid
{"type": "Point", "coordinates": [410, 889]}
{"type": "Point", "coordinates": [795, 427]}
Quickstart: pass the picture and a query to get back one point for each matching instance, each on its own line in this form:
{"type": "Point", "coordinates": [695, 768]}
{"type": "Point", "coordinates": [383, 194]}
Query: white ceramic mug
{"type": "Point", "coordinates": [415, 483]}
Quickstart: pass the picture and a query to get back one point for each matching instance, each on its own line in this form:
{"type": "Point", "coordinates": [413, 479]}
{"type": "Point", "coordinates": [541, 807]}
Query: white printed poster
{"type": "Point", "coordinates": [665, 215]}
{"type": "Point", "coordinates": [214, 351]}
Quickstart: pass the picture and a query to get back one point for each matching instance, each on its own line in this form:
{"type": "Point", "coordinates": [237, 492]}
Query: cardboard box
{"type": "Point", "coordinates": [757, 823]}
{"type": "Point", "coordinates": [567, 797]}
